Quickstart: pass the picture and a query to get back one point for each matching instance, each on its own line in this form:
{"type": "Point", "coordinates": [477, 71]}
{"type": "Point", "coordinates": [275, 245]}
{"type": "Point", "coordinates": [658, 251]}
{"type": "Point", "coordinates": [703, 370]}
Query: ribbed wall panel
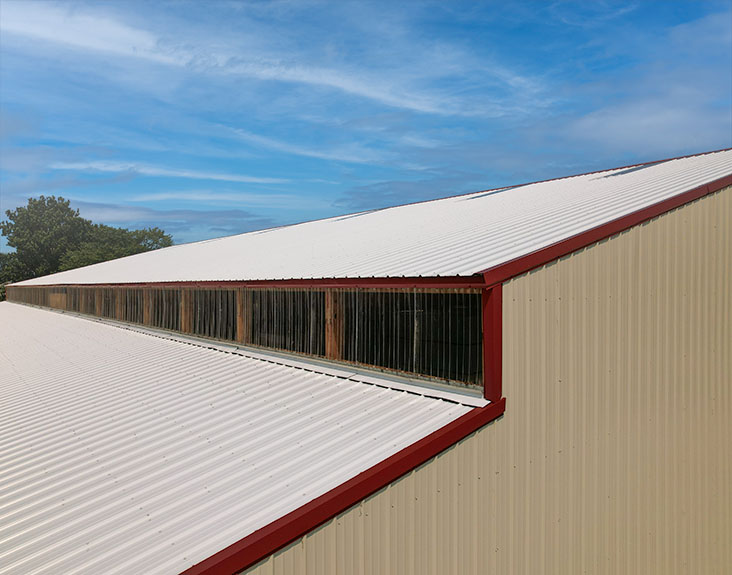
{"type": "Point", "coordinates": [615, 452]}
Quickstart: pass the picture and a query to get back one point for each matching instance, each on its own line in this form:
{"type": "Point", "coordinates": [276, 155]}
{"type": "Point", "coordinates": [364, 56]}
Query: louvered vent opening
{"type": "Point", "coordinates": [435, 334]}
{"type": "Point", "coordinates": [290, 320]}
{"type": "Point", "coordinates": [165, 309]}
{"type": "Point", "coordinates": [213, 313]}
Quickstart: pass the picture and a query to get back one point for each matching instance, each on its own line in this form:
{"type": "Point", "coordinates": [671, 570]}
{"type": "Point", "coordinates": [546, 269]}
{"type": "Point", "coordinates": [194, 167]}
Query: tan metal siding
{"type": "Point", "coordinates": [615, 453]}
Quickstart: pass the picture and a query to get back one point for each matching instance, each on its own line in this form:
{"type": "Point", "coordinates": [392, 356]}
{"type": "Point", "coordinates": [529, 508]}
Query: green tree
{"type": "Point", "coordinates": [8, 267]}
{"type": "Point", "coordinates": [41, 233]}
{"type": "Point", "coordinates": [50, 236]}
{"type": "Point", "coordinates": [107, 243]}
{"type": "Point", "coordinates": [6, 262]}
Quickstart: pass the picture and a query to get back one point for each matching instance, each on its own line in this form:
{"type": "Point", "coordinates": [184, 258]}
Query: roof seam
{"type": "Point", "coordinates": [150, 444]}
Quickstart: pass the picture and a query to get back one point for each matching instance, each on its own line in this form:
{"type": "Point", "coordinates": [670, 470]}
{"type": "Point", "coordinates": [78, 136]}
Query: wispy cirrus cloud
{"type": "Point", "coordinates": [296, 110]}
{"type": "Point", "coordinates": [589, 14]}
{"type": "Point", "coordinates": [676, 102]}
{"type": "Point", "coordinates": [404, 86]}
{"type": "Point", "coordinates": [233, 198]}
{"type": "Point", "coordinates": [352, 153]}
{"type": "Point", "coordinates": [363, 84]}
{"type": "Point", "coordinates": [185, 224]}
{"type": "Point", "coordinates": [79, 28]}
{"type": "Point", "coordinates": [157, 171]}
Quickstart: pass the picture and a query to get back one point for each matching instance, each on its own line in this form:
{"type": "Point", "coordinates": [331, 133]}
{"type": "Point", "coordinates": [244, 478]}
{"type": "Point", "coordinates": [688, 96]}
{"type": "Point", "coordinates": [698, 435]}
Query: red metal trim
{"type": "Point", "coordinates": [492, 342]}
{"type": "Point", "coordinates": [523, 264]}
{"type": "Point", "coordinates": [447, 282]}
{"type": "Point", "coordinates": [262, 543]}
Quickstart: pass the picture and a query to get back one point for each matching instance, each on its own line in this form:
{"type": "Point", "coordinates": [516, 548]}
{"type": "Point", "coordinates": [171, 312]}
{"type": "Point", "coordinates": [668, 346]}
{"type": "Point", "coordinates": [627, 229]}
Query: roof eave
{"type": "Point", "coordinates": [507, 270]}
{"type": "Point", "coordinates": [262, 543]}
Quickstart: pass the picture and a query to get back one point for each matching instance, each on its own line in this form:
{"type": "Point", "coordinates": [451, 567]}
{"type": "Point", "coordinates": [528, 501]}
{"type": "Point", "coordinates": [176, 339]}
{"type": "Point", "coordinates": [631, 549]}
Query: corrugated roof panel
{"type": "Point", "coordinates": [121, 452]}
{"type": "Point", "coordinates": [456, 236]}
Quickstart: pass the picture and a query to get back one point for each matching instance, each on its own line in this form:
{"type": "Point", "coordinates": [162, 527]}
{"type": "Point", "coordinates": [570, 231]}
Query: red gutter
{"type": "Point", "coordinates": [523, 264]}
{"type": "Point", "coordinates": [262, 543]}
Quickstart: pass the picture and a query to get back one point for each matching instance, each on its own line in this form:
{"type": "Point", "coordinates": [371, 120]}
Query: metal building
{"type": "Point", "coordinates": [530, 380]}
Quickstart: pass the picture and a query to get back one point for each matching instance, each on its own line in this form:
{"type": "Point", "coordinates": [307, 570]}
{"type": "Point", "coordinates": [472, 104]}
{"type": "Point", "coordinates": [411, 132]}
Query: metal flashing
{"type": "Point", "coordinates": [260, 544]}
{"type": "Point", "coordinates": [528, 262]}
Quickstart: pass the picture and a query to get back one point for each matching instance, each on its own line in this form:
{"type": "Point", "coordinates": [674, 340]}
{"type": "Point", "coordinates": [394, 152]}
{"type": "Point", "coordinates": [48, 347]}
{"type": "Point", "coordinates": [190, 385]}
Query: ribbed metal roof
{"type": "Point", "coordinates": [121, 452]}
{"type": "Point", "coordinates": [458, 236]}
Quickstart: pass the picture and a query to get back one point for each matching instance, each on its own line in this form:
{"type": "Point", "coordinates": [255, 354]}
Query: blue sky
{"type": "Point", "coordinates": [215, 118]}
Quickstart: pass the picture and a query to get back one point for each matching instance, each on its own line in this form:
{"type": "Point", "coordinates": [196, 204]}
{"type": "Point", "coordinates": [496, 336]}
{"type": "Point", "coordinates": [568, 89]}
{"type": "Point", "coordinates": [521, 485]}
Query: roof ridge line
{"type": "Point", "coordinates": [531, 183]}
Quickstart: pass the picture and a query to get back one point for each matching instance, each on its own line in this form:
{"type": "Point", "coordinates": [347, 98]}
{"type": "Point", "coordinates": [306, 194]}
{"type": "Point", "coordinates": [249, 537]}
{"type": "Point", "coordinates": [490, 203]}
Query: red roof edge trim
{"type": "Point", "coordinates": [426, 282]}
{"type": "Point", "coordinates": [492, 301]}
{"type": "Point", "coordinates": [523, 264]}
{"type": "Point", "coordinates": [262, 543]}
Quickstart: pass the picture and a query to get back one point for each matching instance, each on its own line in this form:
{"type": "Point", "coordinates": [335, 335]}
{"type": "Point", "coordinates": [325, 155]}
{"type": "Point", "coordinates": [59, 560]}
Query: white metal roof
{"type": "Point", "coordinates": [456, 236]}
{"type": "Point", "coordinates": [121, 452]}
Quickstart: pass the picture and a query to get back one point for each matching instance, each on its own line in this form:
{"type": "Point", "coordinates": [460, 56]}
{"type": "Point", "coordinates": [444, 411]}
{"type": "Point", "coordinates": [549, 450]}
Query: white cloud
{"type": "Point", "coordinates": [147, 170]}
{"type": "Point", "coordinates": [184, 224]}
{"type": "Point", "coordinates": [588, 14]}
{"type": "Point", "coordinates": [85, 30]}
{"type": "Point", "coordinates": [211, 196]}
{"type": "Point", "coordinates": [677, 103]}
{"type": "Point", "coordinates": [358, 83]}
{"type": "Point", "coordinates": [404, 85]}
{"type": "Point", "coordinates": [232, 198]}
{"type": "Point", "coordinates": [351, 153]}
{"type": "Point", "coordinates": [654, 128]}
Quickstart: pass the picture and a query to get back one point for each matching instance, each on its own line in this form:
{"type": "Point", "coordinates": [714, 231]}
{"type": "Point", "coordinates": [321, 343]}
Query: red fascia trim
{"type": "Point", "coordinates": [523, 264]}
{"type": "Point", "coordinates": [447, 282]}
{"type": "Point", "coordinates": [492, 342]}
{"type": "Point", "coordinates": [262, 543]}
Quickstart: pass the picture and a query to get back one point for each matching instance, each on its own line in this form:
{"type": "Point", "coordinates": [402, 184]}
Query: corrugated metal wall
{"type": "Point", "coordinates": [615, 453]}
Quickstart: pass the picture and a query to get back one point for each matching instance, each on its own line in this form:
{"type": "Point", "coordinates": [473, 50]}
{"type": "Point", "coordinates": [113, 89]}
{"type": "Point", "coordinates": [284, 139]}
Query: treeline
{"type": "Point", "coordinates": [49, 236]}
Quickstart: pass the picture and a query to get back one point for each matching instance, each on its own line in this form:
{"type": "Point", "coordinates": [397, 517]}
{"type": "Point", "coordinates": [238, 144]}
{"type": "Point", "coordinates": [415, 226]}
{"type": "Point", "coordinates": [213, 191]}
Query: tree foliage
{"type": "Point", "coordinates": [107, 243]}
{"type": "Point", "coordinates": [50, 236]}
{"type": "Point", "coordinates": [41, 233]}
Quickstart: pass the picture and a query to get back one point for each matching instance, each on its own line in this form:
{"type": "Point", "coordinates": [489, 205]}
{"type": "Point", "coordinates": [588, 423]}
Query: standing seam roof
{"type": "Point", "coordinates": [126, 453]}
{"type": "Point", "coordinates": [457, 236]}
